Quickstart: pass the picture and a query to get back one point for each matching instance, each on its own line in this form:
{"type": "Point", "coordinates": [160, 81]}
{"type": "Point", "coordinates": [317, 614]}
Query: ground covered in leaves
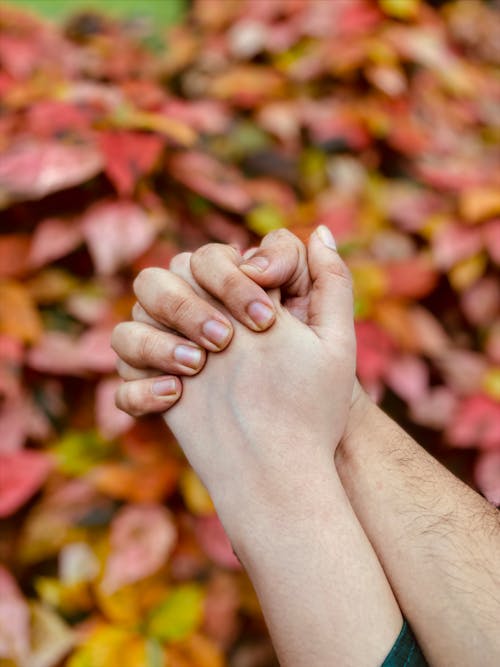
{"type": "Point", "coordinates": [120, 147]}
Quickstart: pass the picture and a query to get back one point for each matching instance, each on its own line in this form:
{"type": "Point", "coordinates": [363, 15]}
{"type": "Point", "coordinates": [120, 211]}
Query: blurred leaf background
{"type": "Point", "coordinates": [123, 142]}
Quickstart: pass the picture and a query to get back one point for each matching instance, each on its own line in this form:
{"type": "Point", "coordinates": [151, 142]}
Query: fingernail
{"type": "Point", "coordinates": [216, 332]}
{"type": "Point", "coordinates": [261, 314]}
{"type": "Point", "coordinates": [259, 263]}
{"type": "Point", "coordinates": [327, 237]}
{"type": "Point", "coordinates": [188, 355]}
{"type": "Point", "coordinates": [164, 387]}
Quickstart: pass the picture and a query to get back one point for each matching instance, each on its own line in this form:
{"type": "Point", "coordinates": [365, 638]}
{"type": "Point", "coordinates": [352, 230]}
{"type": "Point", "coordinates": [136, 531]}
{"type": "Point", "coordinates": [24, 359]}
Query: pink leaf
{"type": "Point", "coordinates": [375, 351]}
{"type": "Point", "coordinates": [487, 475]}
{"type": "Point", "coordinates": [142, 539]}
{"type": "Point", "coordinates": [481, 301]}
{"type": "Point", "coordinates": [453, 243]}
{"type": "Point", "coordinates": [14, 620]}
{"type": "Point", "coordinates": [215, 543]}
{"type": "Point", "coordinates": [211, 179]}
{"type": "Point", "coordinates": [476, 423]}
{"type": "Point", "coordinates": [491, 234]}
{"type": "Point", "coordinates": [111, 421]}
{"type": "Point", "coordinates": [435, 409]}
{"type": "Point", "coordinates": [53, 238]}
{"type": "Point", "coordinates": [463, 370]}
{"type": "Point", "coordinates": [32, 170]}
{"type": "Point", "coordinates": [60, 353]}
{"type": "Point", "coordinates": [21, 475]}
{"type": "Point", "coordinates": [19, 419]}
{"type": "Point", "coordinates": [117, 232]}
{"type": "Point", "coordinates": [408, 377]}
{"type": "Point", "coordinates": [128, 156]}
{"type": "Point", "coordinates": [94, 350]}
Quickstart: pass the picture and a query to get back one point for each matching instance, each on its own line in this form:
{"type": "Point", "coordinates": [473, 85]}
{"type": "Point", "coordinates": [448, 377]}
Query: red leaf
{"type": "Point", "coordinates": [116, 233]}
{"type": "Point", "coordinates": [32, 170]}
{"type": "Point", "coordinates": [48, 118]}
{"type": "Point", "coordinates": [142, 539]}
{"type": "Point", "coordinates": [487, 475]}
{"type": "Point", "coordinates": [128, 156]}
{"type": "Point", "coordinates": [215, 543]}
{"type": "Point", "coordinates": [476, 423]}
{"type": "Point", "coordinates": [53, 238]}
{"type": "Point", "coordinates": [414, 277]}
{"type": "Point", "coordinates": [14, 249]}
{"type": "Point", "coordinates": [111, 421]}
{"type": "Point", "coordinates": [211, 179]}
{"type": "Point", "coordinates": [21, 475]}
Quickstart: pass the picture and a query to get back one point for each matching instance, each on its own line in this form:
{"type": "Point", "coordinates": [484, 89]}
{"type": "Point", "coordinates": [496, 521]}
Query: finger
{"type": "Point", "coordinates": [140, 315]}
{"type": "Point", "coordinates": [331, 302]}
{"type": "Point", "coordinates": [215, 268]}
{"type": "Point", "coordinates": [128, 372]}
{"type": "Point", "coordinates": [171, 301]}
{"type": "Point", "coordinates": [281, 261]}
{"type": "Point", "coordinates": [143, 346]}
{"type": "Point", "coordinates": [141, 397]}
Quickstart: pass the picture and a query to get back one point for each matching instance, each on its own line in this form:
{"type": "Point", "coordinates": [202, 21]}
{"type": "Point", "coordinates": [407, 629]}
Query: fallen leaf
{"type": "Point", "coordinates": [215, 543]}
{"type": "Point", "coordinates": [179, 615]}
{"type": "Point", "coordinates": [476, 423]}
{"type": "Point", "coordinates": [142, 538]}
{"type": "Point", "coordinates": [128, 156]}
{"type": "Point", "coordinates": [14, 620]}
{"type": "Point", "coordinates": [487, 475]}
{"type": "Point", "coordinates": [22, 473]}
{"type": "Point", "coordinates": [117, 232]}
{"type": "Point", "coordinates": [53, 238]}
{"type": "Point", "coordinates": [19, 316]}
{"type": "Point", "coordinates": [34, 169]}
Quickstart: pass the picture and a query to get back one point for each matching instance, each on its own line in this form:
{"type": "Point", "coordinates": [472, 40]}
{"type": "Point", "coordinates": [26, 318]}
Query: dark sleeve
{"type": "Point", "coordinates": [405, 652]}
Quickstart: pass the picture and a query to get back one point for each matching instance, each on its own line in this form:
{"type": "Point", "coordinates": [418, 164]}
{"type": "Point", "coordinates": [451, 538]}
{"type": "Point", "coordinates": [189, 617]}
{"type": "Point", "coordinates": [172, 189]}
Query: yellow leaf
{"type": "Point", "coordinates": [491, 383]}
{"type": "Point", "coordinates": [198, 650]}
{"type": "Point", "coordinates": [479, 203]}
{"type": "Point", "coordinates": [265, 218]}
{"type": "Point", "coordinates": [369, 281]}
{"type": "Point", "coordinates": [400, 9]}
{"type": "Point", "coordinates": [466, 272]}
{"type": "Point", "coordinates": [179, 615]}
{"type": "Point", "coordinates": [19, 317]}
{"type": "Point", "coordinates": [172, 128]}
{"type": "Point", "coordinates": [196, 497]}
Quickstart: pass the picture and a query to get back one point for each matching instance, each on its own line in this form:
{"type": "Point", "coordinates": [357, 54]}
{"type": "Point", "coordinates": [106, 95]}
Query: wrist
{"type": "Point", "coordinates": [262, 524]}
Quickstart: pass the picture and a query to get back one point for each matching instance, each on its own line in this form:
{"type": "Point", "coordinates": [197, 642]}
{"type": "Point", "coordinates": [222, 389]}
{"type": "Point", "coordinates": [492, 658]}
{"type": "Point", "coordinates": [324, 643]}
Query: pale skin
{"type": "Point", "coordinates": [437, 540]}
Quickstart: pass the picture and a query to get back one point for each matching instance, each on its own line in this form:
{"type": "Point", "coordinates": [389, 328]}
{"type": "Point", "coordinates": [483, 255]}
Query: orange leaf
{"type": "Point", "coordinates": [19, 317]}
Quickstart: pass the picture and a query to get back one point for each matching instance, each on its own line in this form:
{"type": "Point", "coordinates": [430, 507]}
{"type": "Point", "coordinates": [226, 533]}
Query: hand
{"type": "Point", "coordinates": [262, 420]}
{"type": "Point", "coordinates": [238, 283]}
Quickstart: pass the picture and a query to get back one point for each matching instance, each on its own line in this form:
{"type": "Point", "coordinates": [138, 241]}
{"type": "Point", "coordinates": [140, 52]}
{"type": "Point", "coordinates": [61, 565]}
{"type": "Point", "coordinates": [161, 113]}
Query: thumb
{"type": "Point", "coordinates": [280, 261]}
{"type": "Point", "coordinates": [331, 310]}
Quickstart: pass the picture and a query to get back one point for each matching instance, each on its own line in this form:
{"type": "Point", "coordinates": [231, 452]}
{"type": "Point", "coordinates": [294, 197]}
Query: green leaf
{"type": "Point", "coordinates": [178, 615]}
{"type": "Point", "coordinates": [77, 452]}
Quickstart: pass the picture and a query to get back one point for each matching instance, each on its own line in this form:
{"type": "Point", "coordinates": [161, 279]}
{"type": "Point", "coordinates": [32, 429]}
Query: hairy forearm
{"type": "Point", "coordinates": [323, 592]}
{"type": "Point", "coordinates": [438, 540]}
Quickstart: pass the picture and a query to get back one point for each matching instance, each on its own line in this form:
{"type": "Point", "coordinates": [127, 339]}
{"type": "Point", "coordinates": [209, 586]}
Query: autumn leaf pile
{"type": "Point", "coordinates": [120, 146]}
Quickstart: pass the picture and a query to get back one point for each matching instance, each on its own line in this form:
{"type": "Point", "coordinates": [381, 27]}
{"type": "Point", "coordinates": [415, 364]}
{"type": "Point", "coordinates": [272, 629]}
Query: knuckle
{"type": "Point", "coordinates": [143, 279]}
{"type": "Point", "coordinates": [281, 234]}
{"type": "Point", "coordinates": [179, 309]}
{"type": "Point", "coordinates": [231, 281]}
{"type": "Point", "coordinates": [148, 348]}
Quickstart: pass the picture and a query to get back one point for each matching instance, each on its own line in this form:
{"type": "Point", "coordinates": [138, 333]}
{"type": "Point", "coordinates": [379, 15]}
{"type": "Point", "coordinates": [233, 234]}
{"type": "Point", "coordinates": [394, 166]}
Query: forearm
{"type": "Point", "coordinates": [323, 592]}
{"type": "Point", "coordinates": [438, 541]}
